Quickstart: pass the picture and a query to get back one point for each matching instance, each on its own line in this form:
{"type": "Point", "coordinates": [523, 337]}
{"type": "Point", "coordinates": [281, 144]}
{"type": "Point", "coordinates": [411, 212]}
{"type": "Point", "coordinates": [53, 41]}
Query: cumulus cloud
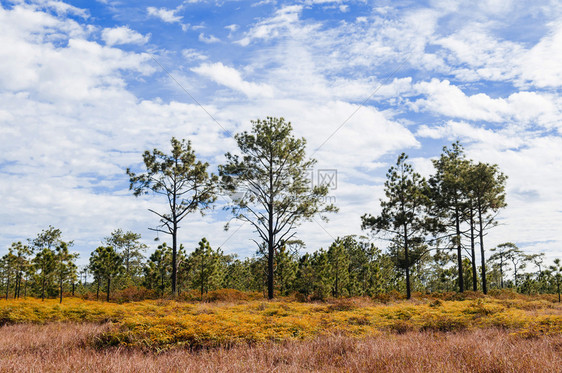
{"type": "Point", "coordinates": [468, 134]}
{"type": "Point", "coordinates": [280, 24]}
{"type": "Point", "coordinates": [123, 35]}
{"type": "Point", "coordinates": [524, 107]}
{"type": "Point", "coordinates": [208, 39]}
{"type": "Point", "coordinates": [62, 8]}
{"type": "Point", "coordinates": [193, 55]}
{"type": "Point", "coordinates": [539, 65]}
{"type": "Point", "coordinates": [31, 63]}
{"type": "Point", "coordinates": [166, 15]}
{"type": "Point", "coordinates": [69, 127]}
{"type": "Point", "coordinates": [475, 53]}
{"type": "Point", "coordinates": [231, 78]}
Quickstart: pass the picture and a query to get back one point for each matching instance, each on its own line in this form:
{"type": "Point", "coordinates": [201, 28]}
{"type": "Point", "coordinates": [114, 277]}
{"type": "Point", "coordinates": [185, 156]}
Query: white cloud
{"type": "Point", "coordinates": [477, 54]}
{"type": "Point", "coordinates": [535, 172]}
{"type": "Point", "coordinates": [69, 127]}
{"type": "Point", "coordinates": [62, 8]}
{"type": "Point", "coordinates": [541, 66]}
{"type": "Point", "coordinates": [123, 35]}
{"type": "Point", "coordinates": [523, 107]}
{"type": "Point", "coordinates": [273, 27]}
{"type": "Point", "coordinates": [29, 62]}
{"type": "Point", "coordinates": [193, 55]}
{"type": "Point", "coordinates": [208, 39]}
{"type": "Point", "coordinates": [467, 133]}
{"type": "Point", "coordinates": [232, 78]}
{"type": "Point", "coordinates": [166, 15]}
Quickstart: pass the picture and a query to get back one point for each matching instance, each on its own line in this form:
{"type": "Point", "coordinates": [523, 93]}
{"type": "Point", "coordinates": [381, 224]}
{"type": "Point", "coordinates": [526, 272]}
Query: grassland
{"type": "Point", "coordinates": [480, 334]}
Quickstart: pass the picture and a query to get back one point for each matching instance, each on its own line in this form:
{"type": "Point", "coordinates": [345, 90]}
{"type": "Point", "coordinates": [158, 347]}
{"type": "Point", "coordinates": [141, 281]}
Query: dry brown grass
{"type": "Point", "coordinates": [67, 347]}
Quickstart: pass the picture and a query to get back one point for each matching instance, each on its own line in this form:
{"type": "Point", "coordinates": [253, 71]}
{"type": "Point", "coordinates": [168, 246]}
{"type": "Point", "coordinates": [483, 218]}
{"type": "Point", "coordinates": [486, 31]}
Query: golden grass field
{"type": "Point", "coordinates": [480, 334]}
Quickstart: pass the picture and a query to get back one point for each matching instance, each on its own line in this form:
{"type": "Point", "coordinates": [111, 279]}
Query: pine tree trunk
{"type": "Point", "coordinates": [108, 287]}
{"type": "Point", "coordinates": [501, 271]}
{"type": "Point", "coordinates": [459, 250]}
{"type": "Point", "coordinates": [407, 259]}
{"type": "Point", "coordinates": [8, 286]}
{"type": "Point", "coordinates": [174, 260]}
{"type": "Point", "coordinates": [16, 286]}
{"type": "Point", "coordinates": [473, 253]}
{"type": "Point", "coordinates": [201, 278]}
{"type": "Point", "coordinates": [19, 284]}
{"type": "Point", "coordinates": [483, 257]}
{"type": "Point", "coordinates": [271, 238]}
{"type": "Point", "coordinates": [271, 253]}
{"type": "Point", "coordinates": [43, 290]}
{"type": "Point", "coordinates": [270, 261]}
{"type": "Point", "coordinates": [98, 290]}
{"type": "Point", "coordinates": [127, 255]}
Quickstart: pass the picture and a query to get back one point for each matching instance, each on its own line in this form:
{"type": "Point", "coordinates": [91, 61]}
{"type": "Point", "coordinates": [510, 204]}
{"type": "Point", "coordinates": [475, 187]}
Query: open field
{"type": "Point", "coordinates": [481, 334]}
{"type": "Point", "coordinates": [65, 347]}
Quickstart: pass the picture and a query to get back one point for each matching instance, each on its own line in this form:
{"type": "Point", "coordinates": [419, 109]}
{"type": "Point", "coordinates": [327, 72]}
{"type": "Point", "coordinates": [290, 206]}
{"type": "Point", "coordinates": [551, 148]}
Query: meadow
{"type": "Point", "coordinates": [487, 334]}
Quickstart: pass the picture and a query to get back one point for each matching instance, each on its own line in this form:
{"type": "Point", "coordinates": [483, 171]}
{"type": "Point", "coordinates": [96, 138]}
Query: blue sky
{"type": "Point", "coordinates": [82, 96]}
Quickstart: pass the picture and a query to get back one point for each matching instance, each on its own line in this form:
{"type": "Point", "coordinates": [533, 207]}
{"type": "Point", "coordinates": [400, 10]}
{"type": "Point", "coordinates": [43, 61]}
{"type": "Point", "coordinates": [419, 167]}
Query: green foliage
{"type": "Point", "coordinates": [556, 272]}
{"type": "Point", "coordinates": [285, 270]}
{"type": "Point", "coordinates": [185, 183]}
{"type": "Point", "coordinates": [305, 276]}
{"type": "Point", "coordinates": [205, 264]}
{"type": "Point", "coordinates": [45, 264]}
{"type": "Point", "coordinates": [157, 269]}
{"type": "Point", "coordinates": [48, 238]}
{"type": "Point", "coordinates": [450, 202]}
{"type": "Point", "coordinates": [339, 264]}
{"type": "Point", "coordinates": [270, 185]}
{"type": "Point", "coordinates": [16, 264]}
{"type": "Point", "coordinates": [485, 187]}
{"type": "Point", "coordinates": [129, 246]}
{"type": "Point", "coordinates": [7, 264]}
{"type": "Point", "coordinates": [459, 202]}
{"type": "Point", "coordinates": [323, 281]}
{"type": "Point", "coordinates": [107, 264]}
{"type": "Point", "coordinates": [239, 275]}
{"type": "Point", "coordinates": [404, 214]}
{"type": "Point", "coordinates": [504, 254]}
{"type": "Point", "coordinates": [65, 269]}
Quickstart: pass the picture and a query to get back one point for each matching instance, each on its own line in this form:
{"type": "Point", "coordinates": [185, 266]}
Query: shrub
{"type": "Point", "coordinates": [227, 319]}
{"type": "Point", "coordinates": [346, 304]}
{"type": "Point", "coordinates": [391, 296]}
{"type": "Point", "coordinates": [227, 295]}
{"type": "Point", "coordinates": [133, 294]}
{"type": "Point", "coordinates": [444, 323]}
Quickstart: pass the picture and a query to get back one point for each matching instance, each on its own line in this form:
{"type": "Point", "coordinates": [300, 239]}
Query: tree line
{"type": "Point", "coordinates": [429, 224]}
{"type": "Point", "coordinates": [350, 266]}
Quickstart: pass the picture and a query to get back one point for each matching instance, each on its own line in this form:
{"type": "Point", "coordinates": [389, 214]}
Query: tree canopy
{"type": "Point", "coordinates": [272, 171]}
{"type": "Point", "coordinates": [185, 183]}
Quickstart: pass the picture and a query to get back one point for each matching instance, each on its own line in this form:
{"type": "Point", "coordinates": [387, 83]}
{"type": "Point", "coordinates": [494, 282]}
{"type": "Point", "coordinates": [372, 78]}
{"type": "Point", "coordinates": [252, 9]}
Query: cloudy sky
{"type": "Point", "coordinates": [86, 87]}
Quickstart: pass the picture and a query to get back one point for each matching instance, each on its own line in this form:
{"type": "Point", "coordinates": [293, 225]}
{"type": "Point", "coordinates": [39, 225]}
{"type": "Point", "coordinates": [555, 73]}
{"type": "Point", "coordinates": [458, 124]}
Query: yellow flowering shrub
{"type": "Point", "coordinates": [161, 324]}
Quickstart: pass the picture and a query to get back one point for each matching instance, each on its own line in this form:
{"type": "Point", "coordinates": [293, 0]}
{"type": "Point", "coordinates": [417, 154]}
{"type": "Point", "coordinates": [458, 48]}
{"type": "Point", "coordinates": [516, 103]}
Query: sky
{"type": "Point", "coordinates": [87, 86]}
